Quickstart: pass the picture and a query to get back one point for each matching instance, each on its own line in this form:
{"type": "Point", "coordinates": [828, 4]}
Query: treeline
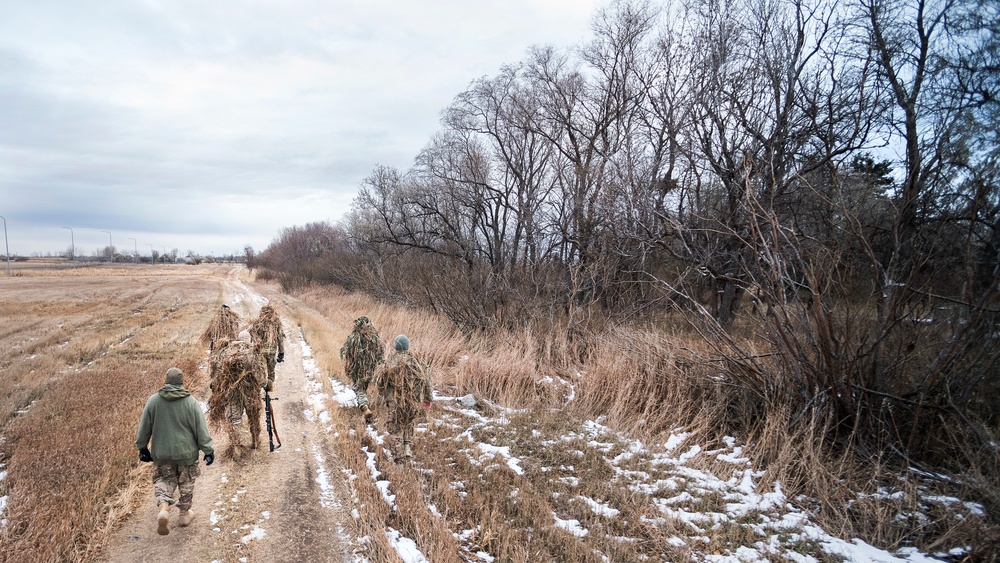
{"type": "Point", "coordinates": [811, 185]}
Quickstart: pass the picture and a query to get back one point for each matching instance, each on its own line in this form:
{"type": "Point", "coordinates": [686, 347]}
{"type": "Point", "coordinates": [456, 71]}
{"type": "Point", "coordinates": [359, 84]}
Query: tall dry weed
{"type": "Point", "coordinates": [643, 381]}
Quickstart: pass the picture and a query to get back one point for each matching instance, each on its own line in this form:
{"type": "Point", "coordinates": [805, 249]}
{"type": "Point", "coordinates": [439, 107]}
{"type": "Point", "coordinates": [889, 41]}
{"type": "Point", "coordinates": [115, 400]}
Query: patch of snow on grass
{"type": "Point", "coordinates": [572, 526]}
{"type": "Point", "coordinates": [405, 547]}
{"type": "Point", "coordinates": [383, 486]}
{"type": "Point", "coordinates": [600, 509]}
{"type": "Point", "coordinates": [256, 533]}
{"type": "Point", "coordinates": [512, 462]}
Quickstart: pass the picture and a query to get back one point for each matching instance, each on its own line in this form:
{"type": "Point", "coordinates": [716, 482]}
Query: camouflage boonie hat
{"type": "Point", "coordinates": [361, 322]}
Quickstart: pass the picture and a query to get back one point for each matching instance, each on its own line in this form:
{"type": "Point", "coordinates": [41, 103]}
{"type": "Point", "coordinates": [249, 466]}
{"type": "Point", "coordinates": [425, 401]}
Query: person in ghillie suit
{"type": "Point", "coordinates": [223, 326]}
{"type": "Point", "coordinates": [362, 351]}
{"type": "Point", "coordinates": [269, 336]}
{"type": "Point", "coordinates": [171, 432]}
{"type": "Point", "coordinates": [403, 383]}
{"type": "Point", "coordinates": [238, 371]}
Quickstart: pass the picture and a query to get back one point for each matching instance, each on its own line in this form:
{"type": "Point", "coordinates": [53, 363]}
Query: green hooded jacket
{"type": "Point", "coordinates": [173, 427]}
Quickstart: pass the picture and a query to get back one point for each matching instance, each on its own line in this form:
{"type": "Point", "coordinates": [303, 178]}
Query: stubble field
{"type": "Point", "coordinates": [83, 349]}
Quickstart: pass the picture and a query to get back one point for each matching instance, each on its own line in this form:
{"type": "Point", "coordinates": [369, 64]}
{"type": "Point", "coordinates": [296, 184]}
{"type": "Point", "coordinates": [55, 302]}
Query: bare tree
{"type": "Point", "coordinates": [249, 257]}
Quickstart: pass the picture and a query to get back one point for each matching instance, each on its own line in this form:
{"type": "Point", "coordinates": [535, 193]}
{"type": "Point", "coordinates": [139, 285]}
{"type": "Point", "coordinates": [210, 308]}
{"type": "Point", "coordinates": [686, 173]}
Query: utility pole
{"type": "Point", "coordinates": [150, 252]}
{"type": "Point", "coordinates": [72, 243]}
{"type": "Point", "coordinates": [135, 248]}
{"type": "Point", "coordinates": [6, 244]}
{"type": "Point", "coordinates": [111, 246]}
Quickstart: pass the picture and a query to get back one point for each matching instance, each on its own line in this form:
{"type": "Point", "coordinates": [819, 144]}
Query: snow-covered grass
{"type": "Point", "coordinates": [618, 497]}
{"type": "Point", "coordinates": [570, 489]}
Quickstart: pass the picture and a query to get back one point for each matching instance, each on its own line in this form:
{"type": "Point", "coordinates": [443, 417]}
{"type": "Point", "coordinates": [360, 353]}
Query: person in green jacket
{"type": "Point", "coordinates": [172, 430]}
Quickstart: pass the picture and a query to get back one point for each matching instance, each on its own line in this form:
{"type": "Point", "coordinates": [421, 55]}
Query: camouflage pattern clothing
{"type": "Point", "coordinates": [238, 371]}
{"type": "Point", "coordinates": [269, 336]}
{"type": "Point", "coordinates": [361, 352]}
{"type": "Point", "coordinates": [241, 355]}
{"type": "Point", "coordinates": [222, 328]}
{"type": "Point", "coordinates": [170, 477]}
{"type": "Point", "coordinates": [403, 383]}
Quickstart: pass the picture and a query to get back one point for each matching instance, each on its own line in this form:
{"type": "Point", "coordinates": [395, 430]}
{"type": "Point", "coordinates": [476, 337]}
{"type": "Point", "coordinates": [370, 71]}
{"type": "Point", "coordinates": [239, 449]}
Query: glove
{"type": "Point", "coordinates": [209, 458]}
{"type": "Point", "coordinates": [280, 358]}
{"type": "Point", "coordinates": [145, 456]}
{"type": "Point", "coordinates": [427, 404]}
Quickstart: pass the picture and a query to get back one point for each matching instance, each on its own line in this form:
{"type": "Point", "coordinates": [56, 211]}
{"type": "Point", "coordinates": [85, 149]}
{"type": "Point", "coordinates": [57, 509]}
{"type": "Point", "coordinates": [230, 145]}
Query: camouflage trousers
{"type": "Point", "coordinates": [361, 390]}
{"type": "Point", "coordinates": [234, 411]}
{"type": "Point", "coordinates": [168, 477]}
{"type": "Point", "coordinates": [401, 423]}
{"type": "Point", "coordinates": [270, 356]}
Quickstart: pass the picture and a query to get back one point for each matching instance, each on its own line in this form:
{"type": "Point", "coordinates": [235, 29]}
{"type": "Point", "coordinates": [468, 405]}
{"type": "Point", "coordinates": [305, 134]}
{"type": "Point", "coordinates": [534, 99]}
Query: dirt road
{"type": "Point", "coordinates": [278, 506]}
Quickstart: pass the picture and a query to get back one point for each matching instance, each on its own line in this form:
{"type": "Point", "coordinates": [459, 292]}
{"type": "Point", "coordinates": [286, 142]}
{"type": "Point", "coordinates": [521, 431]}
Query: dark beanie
{"type": "Point", "coordinates": [175, 377]}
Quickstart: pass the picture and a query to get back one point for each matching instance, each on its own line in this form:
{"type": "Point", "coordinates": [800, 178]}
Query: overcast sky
{"type": "Point", "coordinates": [208, 125]}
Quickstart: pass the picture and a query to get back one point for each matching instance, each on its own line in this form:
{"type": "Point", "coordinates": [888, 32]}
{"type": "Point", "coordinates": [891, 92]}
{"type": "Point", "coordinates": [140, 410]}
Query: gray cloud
{"type": "Point", "coordinates": [215, 124]}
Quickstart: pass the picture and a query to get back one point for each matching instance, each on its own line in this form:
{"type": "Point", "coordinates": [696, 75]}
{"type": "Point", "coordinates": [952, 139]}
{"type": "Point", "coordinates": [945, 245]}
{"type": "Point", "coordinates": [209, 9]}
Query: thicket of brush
{"type": "Point", "coordinates": [840, 383]}
{"type": "Point", "coordinates": [687, 204]}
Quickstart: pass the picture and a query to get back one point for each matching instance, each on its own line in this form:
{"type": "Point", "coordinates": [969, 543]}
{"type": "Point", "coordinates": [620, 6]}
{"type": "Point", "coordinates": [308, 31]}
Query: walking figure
{"type": "Point", "coordinates": [223, 326]}
{"type": "Point", "coordinates": [403, 383]}
{"type": "Point", "coordinates": [238, 371]}
{"type": "Point", "coordinates": [171, 432]}
{"type": "Point", "coordinates": [361, 352]}
{"type": "Point", "coordinates": [270, 338]}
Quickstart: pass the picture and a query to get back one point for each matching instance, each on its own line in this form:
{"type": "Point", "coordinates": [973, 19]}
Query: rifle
{"type": "Point", "coordinates": [272, 429]}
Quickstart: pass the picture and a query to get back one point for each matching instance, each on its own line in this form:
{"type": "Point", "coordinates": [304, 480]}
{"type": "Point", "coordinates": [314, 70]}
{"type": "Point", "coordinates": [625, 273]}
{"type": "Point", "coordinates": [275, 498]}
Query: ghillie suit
{"type": "Point", "coordinates": [238, 371]}
{"type": "Point", "coordinates": [362, 351]}
{"type": "Point", "coordinates": [403, 382]}
{"type": "Point", "coordinates": [269, 336]}
{"type": "Point", "coordinates": [223, 326]}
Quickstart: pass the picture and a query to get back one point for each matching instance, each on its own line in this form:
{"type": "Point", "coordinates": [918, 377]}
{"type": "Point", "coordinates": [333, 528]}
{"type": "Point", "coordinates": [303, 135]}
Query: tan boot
{"type": "Point", "coordinates": [163, 519]}
{"type": "Point", "coordinates": [407, 451]}
{"type": "Point", "coordinates": [367, 412]}
{"type": "Point", "coordinates": [185, 517]}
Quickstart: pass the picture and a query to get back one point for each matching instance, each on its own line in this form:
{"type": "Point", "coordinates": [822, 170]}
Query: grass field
{"type": "Point", "coordinates": [84, 347]}
{"type": "Point", "coordinates": [620, 458]}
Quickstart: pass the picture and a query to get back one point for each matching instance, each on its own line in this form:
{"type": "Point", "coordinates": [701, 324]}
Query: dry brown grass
{"type": "Point", "coordinates": [643, 383]}
{"type": "Point", "coordinates": [83, 355]}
